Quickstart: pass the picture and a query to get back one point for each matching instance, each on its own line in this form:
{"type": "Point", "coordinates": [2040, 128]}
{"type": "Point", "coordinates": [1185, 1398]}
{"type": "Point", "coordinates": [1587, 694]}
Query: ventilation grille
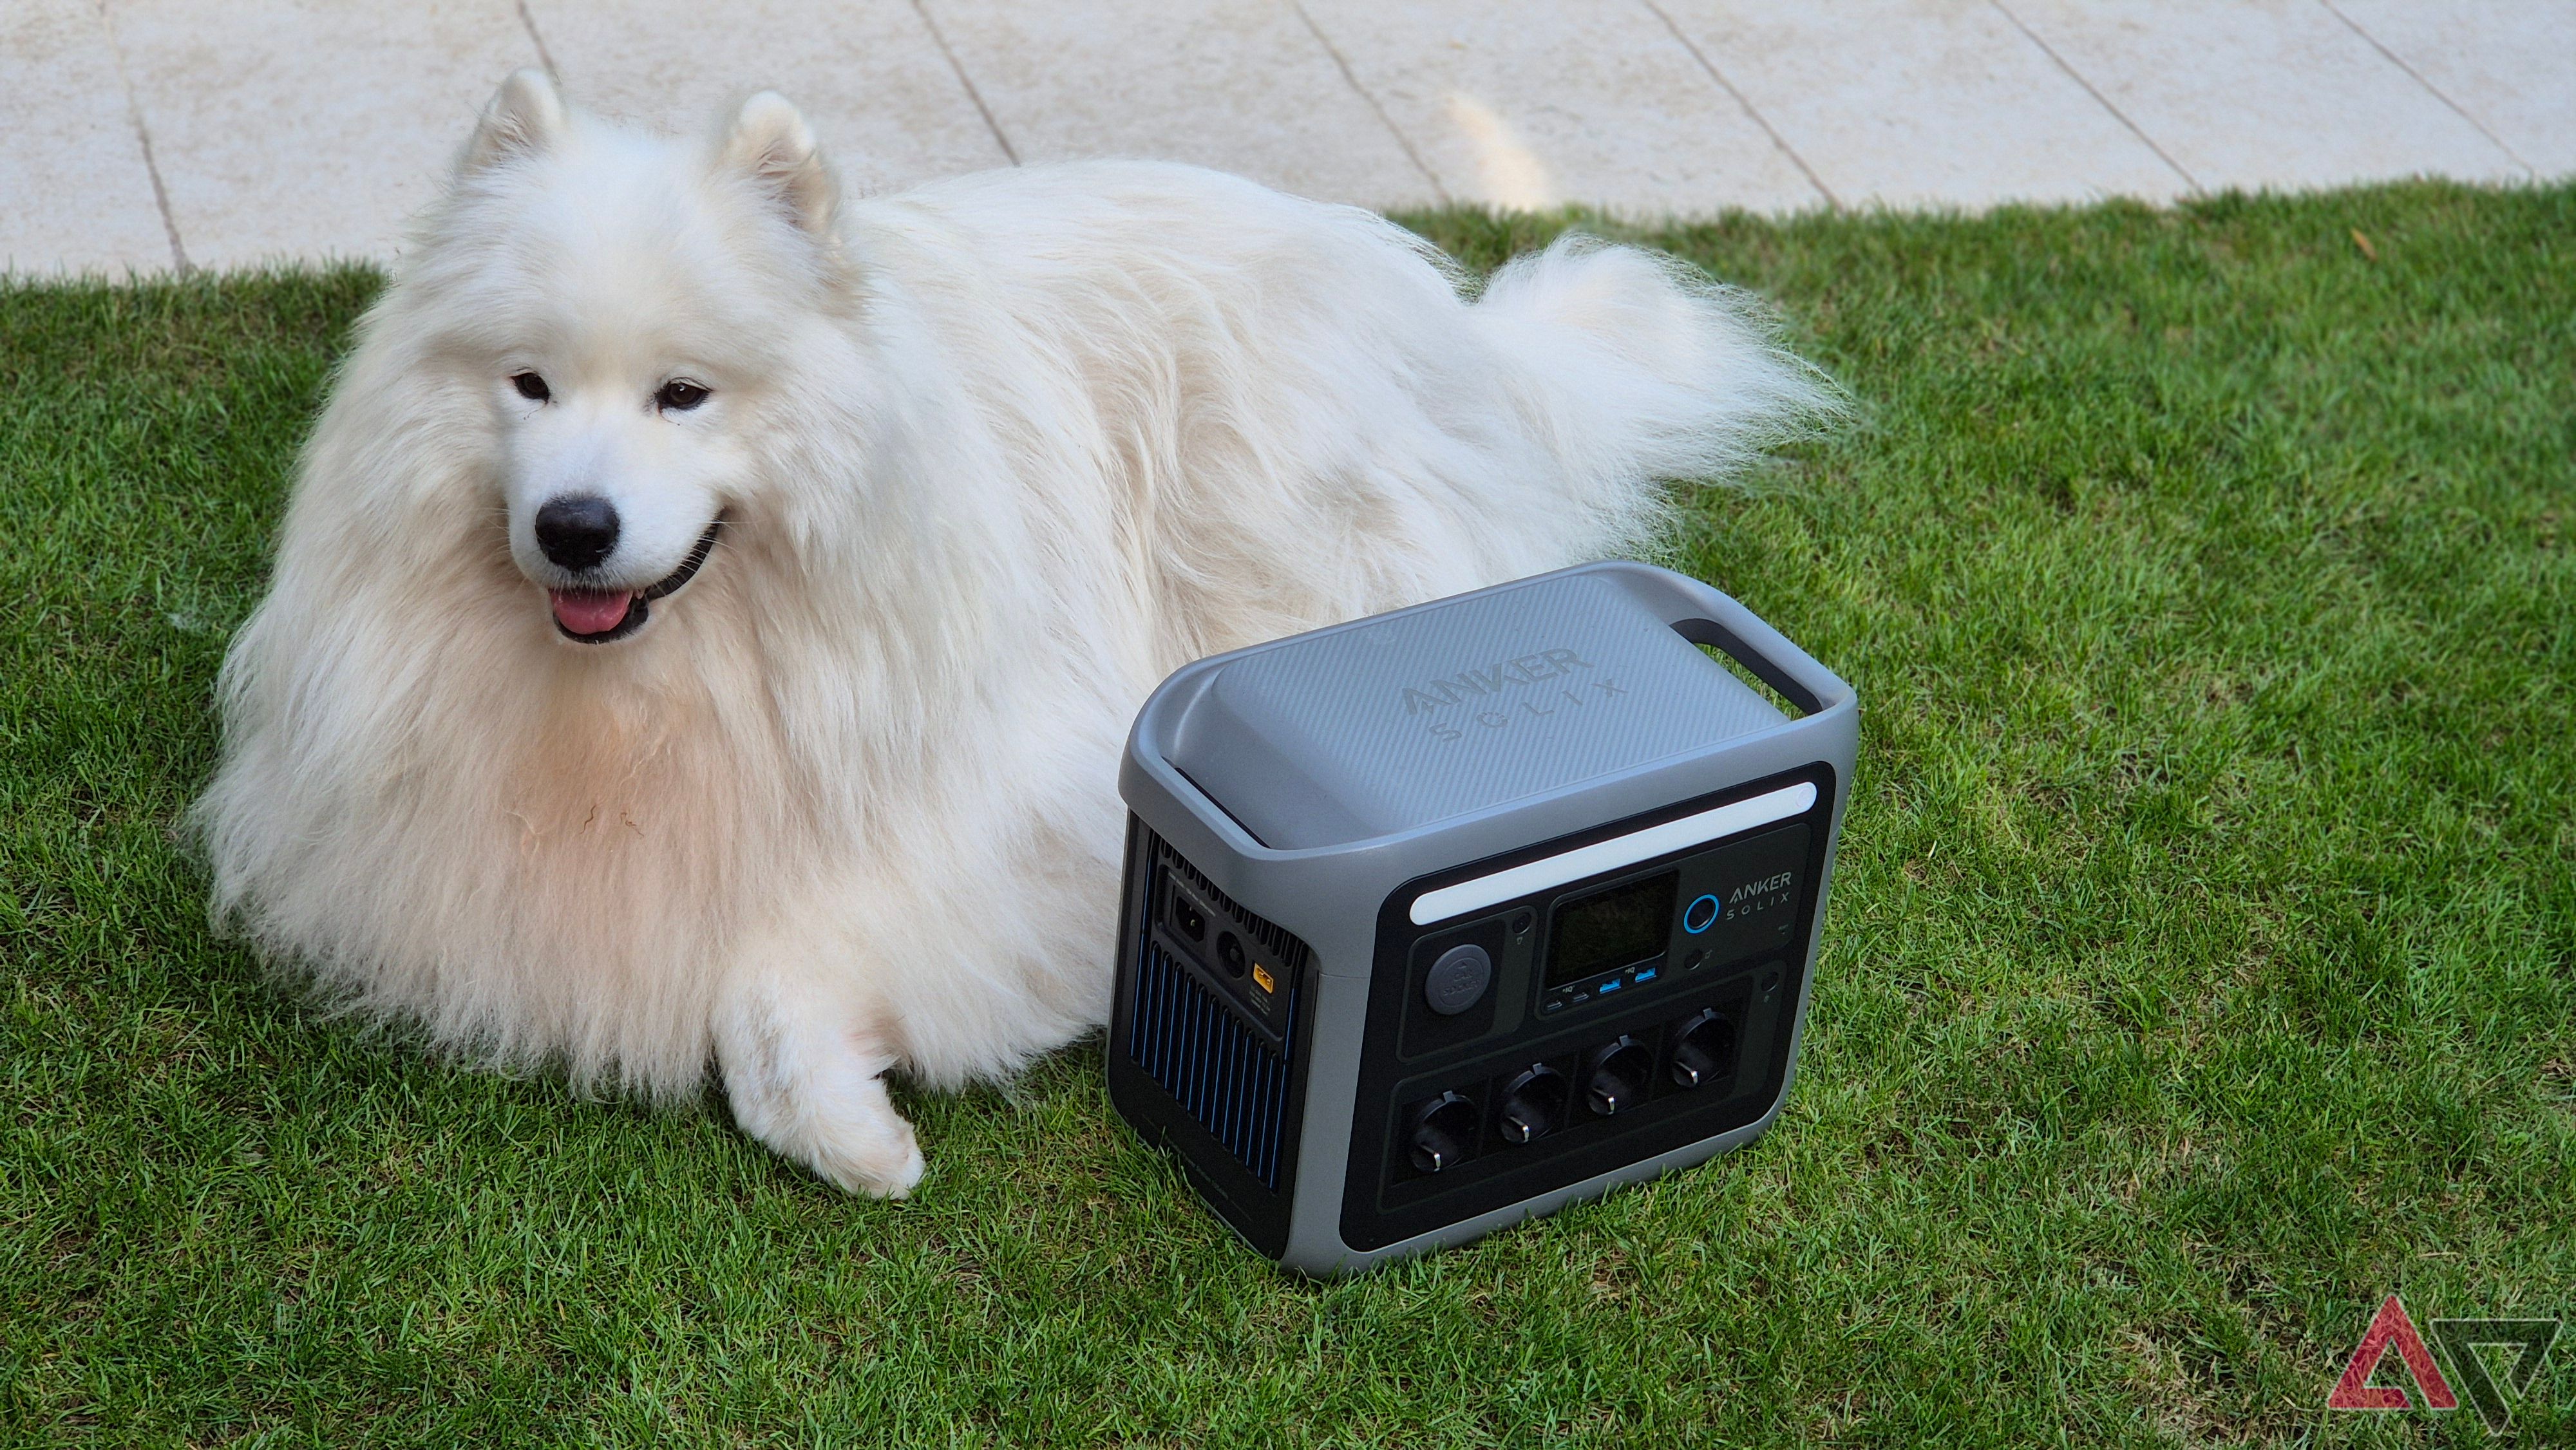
{"type": "Point", "coordinates": [1211, 1064]}
{"type": "Point", "coordinates": [1194, 1043]}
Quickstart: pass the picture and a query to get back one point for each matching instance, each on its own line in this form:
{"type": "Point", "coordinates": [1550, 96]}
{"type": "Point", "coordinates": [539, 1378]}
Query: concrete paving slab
{"type": "Point", "coordinates": [1239, 84]}
{"type": "Point", "coordinates": [1922, 102]}
{"type": "Point", "coordinates": [2509, 64]}
{"type": "Point", "coordinates": [308, 129]}
{"type": "Point", "coordinates": [888, 107]}
{"type": "Point", "coordinates": [75, 193]}
{"type": "Point", "coordinates": [1536, 105]}
{"type": "Point", "coordinates": [2279, 93]}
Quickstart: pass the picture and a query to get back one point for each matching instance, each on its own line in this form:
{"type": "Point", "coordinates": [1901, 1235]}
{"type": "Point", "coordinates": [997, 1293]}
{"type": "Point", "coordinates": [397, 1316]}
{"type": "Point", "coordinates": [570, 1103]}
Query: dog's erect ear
{"type": "Point", "coordinates": [524, 118]}
{"type": "Point", "coordinates": [770, 142]}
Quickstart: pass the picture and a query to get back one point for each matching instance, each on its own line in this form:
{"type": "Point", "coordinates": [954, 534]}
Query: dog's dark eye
{"type": "Point", "coordinates": [680, 396]}
{"type": "Point", "coordinates": [531, 387]}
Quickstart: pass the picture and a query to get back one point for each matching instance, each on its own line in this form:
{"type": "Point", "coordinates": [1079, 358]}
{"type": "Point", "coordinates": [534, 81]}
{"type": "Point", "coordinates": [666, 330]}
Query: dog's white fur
{"type": "Point", "coordinates": [995, 455]}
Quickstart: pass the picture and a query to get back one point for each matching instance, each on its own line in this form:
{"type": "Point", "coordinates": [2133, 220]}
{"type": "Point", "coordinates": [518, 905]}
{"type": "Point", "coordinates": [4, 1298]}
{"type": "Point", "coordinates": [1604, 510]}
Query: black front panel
{"type": "Point", "coordinates": [1630, 1013]}
{"type": "Point", "coordinates": [1207, 1036]}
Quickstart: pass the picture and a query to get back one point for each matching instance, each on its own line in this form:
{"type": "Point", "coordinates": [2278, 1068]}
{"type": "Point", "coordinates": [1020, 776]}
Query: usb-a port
{"type": "Point", "coordinates": [1610, 986]}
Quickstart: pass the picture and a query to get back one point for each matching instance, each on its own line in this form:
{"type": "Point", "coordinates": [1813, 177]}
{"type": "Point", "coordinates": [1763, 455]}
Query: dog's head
{"type": "Point", "coordinates": [623, 304]}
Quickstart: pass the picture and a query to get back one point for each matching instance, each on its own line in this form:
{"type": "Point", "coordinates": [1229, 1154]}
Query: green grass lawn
{"type": "Point", "coordinates": [2201, 968]}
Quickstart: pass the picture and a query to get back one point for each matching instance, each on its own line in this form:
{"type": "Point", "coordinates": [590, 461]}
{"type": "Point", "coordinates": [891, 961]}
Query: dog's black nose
{"type": "Point", "coordinates": [577, 532]}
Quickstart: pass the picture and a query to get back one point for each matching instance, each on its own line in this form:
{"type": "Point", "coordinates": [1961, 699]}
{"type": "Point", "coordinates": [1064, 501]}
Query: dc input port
{"type": "Point", "coordinates": [1187, 919]}
{"type": "Point", "coordinates": [1229, 951]}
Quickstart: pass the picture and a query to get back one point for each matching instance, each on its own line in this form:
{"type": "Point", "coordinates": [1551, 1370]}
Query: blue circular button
{"type": "Point", "coordinates": [1696, 920]}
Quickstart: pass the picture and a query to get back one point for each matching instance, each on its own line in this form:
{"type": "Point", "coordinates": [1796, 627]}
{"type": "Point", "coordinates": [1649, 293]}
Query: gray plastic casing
{"type": "Point", "coordinates": [1307, 779]}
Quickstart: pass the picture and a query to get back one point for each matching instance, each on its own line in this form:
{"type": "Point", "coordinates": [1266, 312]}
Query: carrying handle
{"type": "Point", "coordinates": [1704, 616]}
{"type": "Point", "coordinates": [1710, 632]}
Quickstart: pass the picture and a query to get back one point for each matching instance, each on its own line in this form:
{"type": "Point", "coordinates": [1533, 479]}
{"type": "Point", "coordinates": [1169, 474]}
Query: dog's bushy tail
{"type": "Point", "coordinates": [1636, 368]}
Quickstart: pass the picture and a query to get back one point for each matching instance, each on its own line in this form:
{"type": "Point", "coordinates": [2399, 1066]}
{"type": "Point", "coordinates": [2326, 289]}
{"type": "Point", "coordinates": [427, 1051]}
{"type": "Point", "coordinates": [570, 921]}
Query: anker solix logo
{"type": "Point", "coordinates": [1490, 686]}
{"type": "Point", "coordinates": [1751, 889]}
{"type": "Point", "coordinates": [2460, 1340]}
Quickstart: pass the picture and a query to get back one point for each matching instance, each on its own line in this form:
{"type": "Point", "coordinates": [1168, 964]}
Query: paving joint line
{"type": "Point", "coordinates": [2437, 93]}
{"type": "Point", "coordinates": [529, 23]}
{"type": "Point", "coordinates": [954, 64]}
{"type": "Point", "coordinates": [1832, 201]}
{"type": "Point", "coordinates": [2100, 99]}
{"type": "Point", "coordinates": [143, 136]}
{"type": "Point", "coordinates": [1402, 140]}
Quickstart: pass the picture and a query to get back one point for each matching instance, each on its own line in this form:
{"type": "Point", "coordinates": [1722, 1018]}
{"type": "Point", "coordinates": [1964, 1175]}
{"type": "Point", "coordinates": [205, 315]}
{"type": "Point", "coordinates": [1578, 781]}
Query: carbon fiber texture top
{"type": "Point", "coordinates": [1356, 733]}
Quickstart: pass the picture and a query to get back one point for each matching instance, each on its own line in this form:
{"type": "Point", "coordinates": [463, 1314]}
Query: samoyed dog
{"type": "Point", "coordinates": [710, 608]}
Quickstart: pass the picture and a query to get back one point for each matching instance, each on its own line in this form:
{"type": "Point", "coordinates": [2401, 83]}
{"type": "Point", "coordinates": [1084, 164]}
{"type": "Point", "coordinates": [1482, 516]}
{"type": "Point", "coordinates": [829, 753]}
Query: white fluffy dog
{"type": "Point", "coordinates": [710, 610]}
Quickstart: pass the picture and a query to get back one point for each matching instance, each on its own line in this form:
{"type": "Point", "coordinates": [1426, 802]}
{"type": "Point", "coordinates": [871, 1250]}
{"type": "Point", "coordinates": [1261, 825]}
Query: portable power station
{"type": "Point", "coordinates": [1445, 918]}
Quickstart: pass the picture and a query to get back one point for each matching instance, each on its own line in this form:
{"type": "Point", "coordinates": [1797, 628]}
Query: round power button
{"type": "Point", "coordinates": [1700, 915]}
{"type": "Point", "coordinates": [1458, 980]}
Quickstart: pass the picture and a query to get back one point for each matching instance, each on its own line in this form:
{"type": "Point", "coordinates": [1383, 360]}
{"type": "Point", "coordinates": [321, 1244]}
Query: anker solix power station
{"type": "Point", "coordinates": [1449, 917]}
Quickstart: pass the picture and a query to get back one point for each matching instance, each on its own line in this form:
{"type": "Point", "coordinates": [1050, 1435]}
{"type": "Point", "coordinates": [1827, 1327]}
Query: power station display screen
{"type": "Point", "coordinates": [1610, 929]}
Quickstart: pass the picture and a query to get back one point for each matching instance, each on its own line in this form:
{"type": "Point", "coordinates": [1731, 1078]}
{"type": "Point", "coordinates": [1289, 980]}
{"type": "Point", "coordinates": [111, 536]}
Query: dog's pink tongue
{"type": "Point", "coordinates": [586, 611]}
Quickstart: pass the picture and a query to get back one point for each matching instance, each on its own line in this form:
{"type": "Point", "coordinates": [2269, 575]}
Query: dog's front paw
{"type": "Point", "coordinates": [842, 1126]}
{"type": "Point", "coordinates": [817, 1095]}
{"type": "Point", "coordinates": [870, 1152]}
